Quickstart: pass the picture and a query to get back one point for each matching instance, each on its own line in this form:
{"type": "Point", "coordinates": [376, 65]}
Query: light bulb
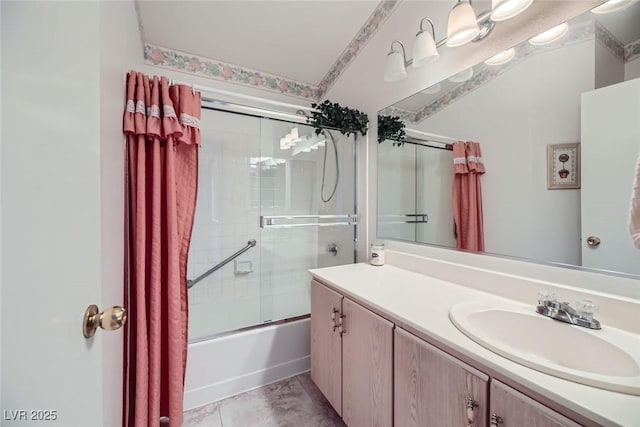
{"type": "Point", "coordinates": [395, 67]}
{"type": "Point", "coordinates": [462, 76]}
{"type": "Point", "coordinates": [463, 25]}
{"type": "Point", "coordinates": [551, 35]}
{"type": "Point", "coordinates": [507, 9]}
{"type": "Point", "coordinates": [611, 6]}
{"type": "Point", "coordinates": [501, 58]}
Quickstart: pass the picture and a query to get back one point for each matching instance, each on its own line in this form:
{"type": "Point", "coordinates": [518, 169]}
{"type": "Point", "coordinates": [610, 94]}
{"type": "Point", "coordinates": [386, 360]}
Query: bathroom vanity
{"type": "Point", "coordinates": [385, 353]}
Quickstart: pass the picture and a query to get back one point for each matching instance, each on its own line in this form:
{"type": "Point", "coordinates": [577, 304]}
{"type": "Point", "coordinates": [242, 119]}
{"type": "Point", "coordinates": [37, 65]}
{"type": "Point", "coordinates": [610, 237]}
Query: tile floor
{"type": "Point", "coordinates": [293, 402]}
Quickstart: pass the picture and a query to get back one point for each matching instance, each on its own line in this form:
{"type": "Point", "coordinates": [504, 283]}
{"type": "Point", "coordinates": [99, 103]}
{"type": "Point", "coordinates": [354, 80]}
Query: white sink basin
{"type": "Point", "coordinates": [608, 358]}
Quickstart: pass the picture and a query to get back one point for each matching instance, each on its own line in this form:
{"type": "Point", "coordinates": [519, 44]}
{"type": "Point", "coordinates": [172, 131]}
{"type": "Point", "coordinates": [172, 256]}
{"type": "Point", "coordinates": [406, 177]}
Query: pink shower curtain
{"type": "Point", "coordinates": [161, 124]}
{"type": "Point", "coordinates": [467, 195]}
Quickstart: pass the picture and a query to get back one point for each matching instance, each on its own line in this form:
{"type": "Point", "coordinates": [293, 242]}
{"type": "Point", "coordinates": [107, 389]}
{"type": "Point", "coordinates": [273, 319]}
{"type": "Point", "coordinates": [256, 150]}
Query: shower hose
{"type": "Point", "coordinates": [324, 169]}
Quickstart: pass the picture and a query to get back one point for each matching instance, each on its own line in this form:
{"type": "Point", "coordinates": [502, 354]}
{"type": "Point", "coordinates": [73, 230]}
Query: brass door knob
{"type": "Point", "coordinates": [593, 241]}
{"type": "Point", "coordinates": [111, 319]}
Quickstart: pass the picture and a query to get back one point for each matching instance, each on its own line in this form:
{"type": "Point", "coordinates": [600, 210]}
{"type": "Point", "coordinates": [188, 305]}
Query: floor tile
{"type": "Point", "coordinates": [205, 416]}
{"type": "Point", "coordinates": [247, 410]}
{"type": "Point", "coordinates": [326, 416]}
{"type": "Point", "coordinates": [293, 402]}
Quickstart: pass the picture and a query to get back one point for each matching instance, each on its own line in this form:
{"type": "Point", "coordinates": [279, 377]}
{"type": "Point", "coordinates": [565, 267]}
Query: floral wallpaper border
{"type": "Point", "coordinates": [218, 70]}
{"type": "Point", "coordinates": [609, 41]}
{"type": "Point", "coordinates": [484, 73]}
{"type": "Point", "coordinates": [632, 51]}
{"type": "Point", "coordinates": [377, 18]}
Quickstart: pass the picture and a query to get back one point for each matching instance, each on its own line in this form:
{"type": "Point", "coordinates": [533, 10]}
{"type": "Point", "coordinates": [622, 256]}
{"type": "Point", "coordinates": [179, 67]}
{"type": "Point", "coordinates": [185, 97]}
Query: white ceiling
{"type": "Point", "coordinates": [299, 40]}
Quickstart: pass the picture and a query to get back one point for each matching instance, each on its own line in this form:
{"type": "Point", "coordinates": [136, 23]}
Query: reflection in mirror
{"type": "Point", "coordinates": [581, 87]}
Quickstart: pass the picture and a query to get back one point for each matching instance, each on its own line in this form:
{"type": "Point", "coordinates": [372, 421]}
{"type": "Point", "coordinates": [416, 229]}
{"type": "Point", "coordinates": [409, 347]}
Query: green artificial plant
{"type": "Point", "coordinates": [330, 115]}
{"type": "Point", "coordinates": [391, 127]}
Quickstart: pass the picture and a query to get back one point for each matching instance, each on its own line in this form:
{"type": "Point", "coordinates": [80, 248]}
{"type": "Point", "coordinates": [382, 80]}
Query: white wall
{"type": "Point", "coordinates": [632, 69]}
{"type": "Point", "coordinates": [514, 117]}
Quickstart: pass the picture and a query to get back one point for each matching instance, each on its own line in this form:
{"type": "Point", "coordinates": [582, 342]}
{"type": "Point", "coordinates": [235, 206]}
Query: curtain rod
{"type": "Point", "coordinates": [239, 95]}
{"type": "Point", "coordinates": [234, 107]}
{"type": "Point", "coordinates": [434, 136]}
{"type": "Point", "coordinates": [425, 143]}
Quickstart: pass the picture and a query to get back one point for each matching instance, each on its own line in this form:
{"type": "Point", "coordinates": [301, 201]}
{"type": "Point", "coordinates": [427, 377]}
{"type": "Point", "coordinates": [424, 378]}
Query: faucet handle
{"type": "Point", "coordinates": [545, 296]}
{"type": "Point", "coordinates": [586, 309]}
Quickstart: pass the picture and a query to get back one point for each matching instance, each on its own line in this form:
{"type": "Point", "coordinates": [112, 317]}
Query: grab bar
{"type": "Point", "coordinates": [251, 243]}
{"type": "Point", "coordinates": [269, 221]}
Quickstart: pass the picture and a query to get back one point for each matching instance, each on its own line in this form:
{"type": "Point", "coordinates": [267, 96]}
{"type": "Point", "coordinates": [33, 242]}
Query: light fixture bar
{"type": "Point", "coordinates": [395, 70]}
{"type": "Point", "coordinates": [481, 20]}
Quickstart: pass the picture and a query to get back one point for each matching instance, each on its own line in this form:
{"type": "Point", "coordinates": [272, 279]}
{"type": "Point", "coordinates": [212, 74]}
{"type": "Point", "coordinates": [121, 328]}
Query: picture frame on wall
{"type": "Point", "coordinates": [563, 166]}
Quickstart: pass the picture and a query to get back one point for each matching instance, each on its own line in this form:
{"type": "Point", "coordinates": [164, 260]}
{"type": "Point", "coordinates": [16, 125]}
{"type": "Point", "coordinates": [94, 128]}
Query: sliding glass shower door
{"type": "Point", "coordinates": [307, 212]}
{"type": "Point", "coordinates": [262, 179]}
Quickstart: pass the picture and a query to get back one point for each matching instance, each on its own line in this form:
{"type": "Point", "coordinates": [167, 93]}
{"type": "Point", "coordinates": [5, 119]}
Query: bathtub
{"type": "Point", "coordinates": [236, 362]}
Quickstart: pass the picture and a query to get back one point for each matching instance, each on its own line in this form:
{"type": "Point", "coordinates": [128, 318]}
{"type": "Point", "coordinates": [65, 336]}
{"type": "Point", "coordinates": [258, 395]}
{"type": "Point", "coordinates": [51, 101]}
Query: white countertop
{"type": "Point", "coordinates": [423, 303]}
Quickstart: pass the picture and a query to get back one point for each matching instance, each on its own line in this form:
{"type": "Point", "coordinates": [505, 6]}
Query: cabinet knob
{"type": "Point", "coordinates": [495, 419]}
{"type": "Point", "coordinates": [334, 317]}
{"type": "Point", "coordinates": [341, 327]}
{"type": "Point", "coordinates": [593, 241]}
{"type": "Point", "coordinates": [471, 406]}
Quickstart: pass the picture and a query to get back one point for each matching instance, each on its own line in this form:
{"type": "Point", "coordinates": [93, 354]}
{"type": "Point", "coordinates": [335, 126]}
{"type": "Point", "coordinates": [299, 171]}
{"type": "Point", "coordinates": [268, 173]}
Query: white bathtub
{"type": "Point", "coordinates": [234, 363]}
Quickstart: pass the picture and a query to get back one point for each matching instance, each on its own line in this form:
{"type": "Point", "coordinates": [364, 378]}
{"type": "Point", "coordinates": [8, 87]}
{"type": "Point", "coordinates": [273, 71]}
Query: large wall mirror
{"type": "Point", "coordinates": [581, 88]}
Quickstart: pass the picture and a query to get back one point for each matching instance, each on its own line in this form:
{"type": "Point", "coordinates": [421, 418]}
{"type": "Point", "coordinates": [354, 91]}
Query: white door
{"type": "Point", "coordinates": [62, 218]}
{"type": "Point", "coordinates": [610, 146]}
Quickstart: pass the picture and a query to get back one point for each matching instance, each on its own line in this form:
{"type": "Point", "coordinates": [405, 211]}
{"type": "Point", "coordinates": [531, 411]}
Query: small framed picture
{"type": "Point", "coordinates": [563, 166]}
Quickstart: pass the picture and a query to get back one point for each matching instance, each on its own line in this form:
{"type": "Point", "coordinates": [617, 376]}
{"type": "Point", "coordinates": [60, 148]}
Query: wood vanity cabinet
{"type": "Point", "coordinates": [351, 358]}
{"type": "Point", "coordinates": [326, 343]}
{"type": "Point", "coordinates": [376, 374]}
{"type": "Point", "coordinates": [510, 408]}
{"type": "Point", "coordinates": [432, 388]}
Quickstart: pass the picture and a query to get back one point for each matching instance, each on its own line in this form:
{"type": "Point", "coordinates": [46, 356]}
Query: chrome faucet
{"type": "Point", "coordinates": [549, 306]}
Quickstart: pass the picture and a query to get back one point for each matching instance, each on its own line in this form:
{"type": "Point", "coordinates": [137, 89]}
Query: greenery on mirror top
{"type": "Point", "coordinates": [391, 127]}
{"type": "Point", "coordinates": [331, 115]}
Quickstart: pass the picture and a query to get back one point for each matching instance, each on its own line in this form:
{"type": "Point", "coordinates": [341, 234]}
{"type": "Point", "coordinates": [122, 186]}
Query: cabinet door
{"type": "Point", "coordinates": [367, 355]}
{"type": "Point", "coordinates": [326, 346]}
{"type": "Point", "coordinates": [432, 388]}
{"type": "Point", "coordinates": [514, 409]}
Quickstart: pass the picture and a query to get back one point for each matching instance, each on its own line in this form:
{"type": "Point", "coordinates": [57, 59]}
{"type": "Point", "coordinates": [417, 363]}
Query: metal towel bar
{"type": "Point", "coordinates": [251, 243]}
{"type": "Point", "coordinates": [269, 221]}
{"type": "Point", "coordinates": [400, 219]}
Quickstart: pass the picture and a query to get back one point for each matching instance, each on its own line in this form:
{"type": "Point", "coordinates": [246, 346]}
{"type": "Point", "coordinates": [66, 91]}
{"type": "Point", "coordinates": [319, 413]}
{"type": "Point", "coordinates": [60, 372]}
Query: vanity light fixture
{"type": "Point", "coordinates": [290, 139]}
{"type": "Point", "coordinates": [463, 24]}
{"type": "Point", "coordinates": [611, 6]}
{"type": "Point", "coordinates": [549, 36]}
{"type": "Point", "coordinates": [424, 46]}
{"type": "Point", "coordinates": [501, 58]}
{"type": "Point", "coordinates": [396, 63]}
{"type": "Point", "coordinates": [425, 51]}
{"type": "Point", "coordinates": [502, 10]}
